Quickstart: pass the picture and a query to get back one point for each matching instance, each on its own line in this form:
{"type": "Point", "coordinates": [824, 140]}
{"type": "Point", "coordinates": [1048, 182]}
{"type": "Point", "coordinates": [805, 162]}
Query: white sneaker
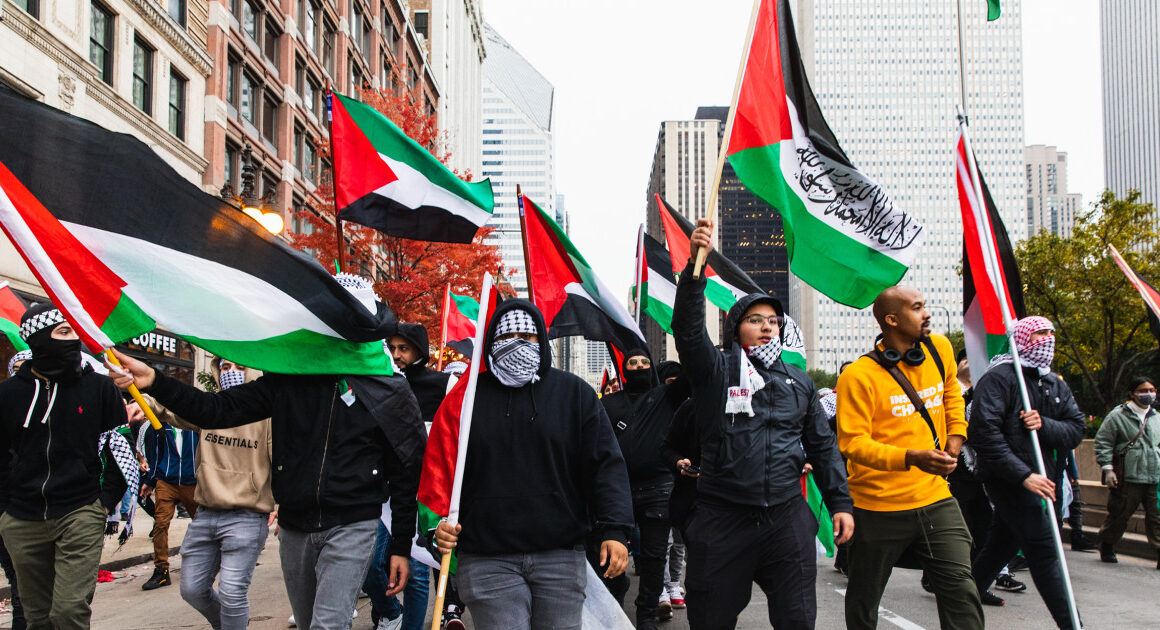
{"type": "Point", "coordinates": [293, 624]}
{"type": "Point", "coordinates": [676, 594]}
{"type": "Point", "coordinates": [390, 624]}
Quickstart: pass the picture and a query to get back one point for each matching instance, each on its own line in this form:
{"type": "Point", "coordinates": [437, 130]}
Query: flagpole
{"type": "Point", "coordinates": [1009, 323]}
{"type": "Point", "coordinates": [443, 325]}
{"type": "Point", "coordinates": [640, 262]}
{"type": "Point", "coordinates": [464, 433]}
{"type": "Point", "coordinates": [711, 207]}
{"type": "Point", "coordinates": [524, 239]}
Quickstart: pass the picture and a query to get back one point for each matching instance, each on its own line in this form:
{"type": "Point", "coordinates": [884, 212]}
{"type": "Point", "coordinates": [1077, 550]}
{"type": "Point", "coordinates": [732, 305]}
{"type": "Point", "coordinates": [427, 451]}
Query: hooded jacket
{"type": "Point", "coordinates": [543, 466]}
{"type": "Point", "coordinates": [997, 434]}
{"type": "Point", "coordinates": [641, 422]}
{"type": "Point", "coordinates": [429, 386]}
{"type": "Point", "coordinates": [753, 461]}
{"type": "Point", "coordinates": [48, 443]}
{"type": "Point", "coordinates": [337, 455]}
{"type": "Point", "coordinates": [171, 454]}
{"type": "Point", "coordinates": [1120, 427]}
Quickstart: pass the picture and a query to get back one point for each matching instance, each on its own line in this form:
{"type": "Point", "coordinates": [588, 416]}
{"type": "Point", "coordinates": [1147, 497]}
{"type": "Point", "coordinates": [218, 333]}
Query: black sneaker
{"type": "Point", "coordinates": [990, 599]}
{"type": "Point", "coordinates": [452, 618]}
{"type": "Point", "coordinates": [160, 578]}
{"type": "Point", "coordinates": [1108, 553]}
{"type": "Point", "coordinates": [1007, 582]}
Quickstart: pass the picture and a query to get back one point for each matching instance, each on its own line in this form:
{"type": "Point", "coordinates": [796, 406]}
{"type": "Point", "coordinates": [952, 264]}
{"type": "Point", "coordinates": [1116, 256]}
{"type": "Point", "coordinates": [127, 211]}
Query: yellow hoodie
{"type": "Point", "coordinates": [877, 424]}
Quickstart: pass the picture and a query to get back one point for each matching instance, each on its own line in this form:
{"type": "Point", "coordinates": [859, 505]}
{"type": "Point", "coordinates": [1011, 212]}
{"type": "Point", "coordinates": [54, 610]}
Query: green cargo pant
{"type": "Point", "coordinates": [938, 536]}
{"type": "Point", "coordinates": [56, 565]}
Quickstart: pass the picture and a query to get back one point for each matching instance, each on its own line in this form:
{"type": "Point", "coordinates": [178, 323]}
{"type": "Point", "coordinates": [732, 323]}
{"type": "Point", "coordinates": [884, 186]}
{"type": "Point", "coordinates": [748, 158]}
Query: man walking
{"type": "Point", "coordinates": [1000, 434]}
{"type": "Point", "coordinates": [759, 421]}
{"type": "Point", "coordinates": [901, 425]}
{"type": "Point", "coordinates": [171, 477]}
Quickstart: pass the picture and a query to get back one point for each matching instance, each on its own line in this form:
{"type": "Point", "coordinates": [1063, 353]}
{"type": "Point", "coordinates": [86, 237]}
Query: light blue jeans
{"type": "Point", "coordinates": [323, 571]}
{"type": "Point", "coordinates": [414, 607]}
{"type": "Point", "coordinates": [226, 542]}
{"type": "Point", "coordinates": [524, 591]}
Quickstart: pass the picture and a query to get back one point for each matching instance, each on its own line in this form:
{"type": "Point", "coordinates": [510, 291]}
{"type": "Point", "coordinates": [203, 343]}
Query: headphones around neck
{"type": "Point", "coordinates": [913, 356]}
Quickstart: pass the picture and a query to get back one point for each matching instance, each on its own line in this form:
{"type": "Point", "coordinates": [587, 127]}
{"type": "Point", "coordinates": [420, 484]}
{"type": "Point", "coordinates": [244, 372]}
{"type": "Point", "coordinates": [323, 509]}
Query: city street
{"type": "Point", "coordinates": [1111, 596]}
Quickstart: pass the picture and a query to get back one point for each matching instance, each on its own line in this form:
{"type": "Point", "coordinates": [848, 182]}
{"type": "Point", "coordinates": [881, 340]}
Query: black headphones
{"type": "Point", "coordinates": [914, 356]}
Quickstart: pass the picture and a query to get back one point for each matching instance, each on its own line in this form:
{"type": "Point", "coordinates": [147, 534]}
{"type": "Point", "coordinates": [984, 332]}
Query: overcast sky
{"type": "Point", "coordinates": [621, 67]}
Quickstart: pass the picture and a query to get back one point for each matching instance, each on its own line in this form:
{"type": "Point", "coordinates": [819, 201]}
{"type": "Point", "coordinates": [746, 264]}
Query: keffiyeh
{"type": "Point", "coordinates": [1039, 353]}
{"type": "Point", "coordinates": [23, 355]}
{"type": "Point", "coordinates": [767, 353]}
{"type": "Point", "coordinates": [516, 321]}
{"type": "Point", "coordinates": [123, 455]}
{"type": "Point", "coordinates": [231, 378]}
{"type": "Point", "coordinates": [515, 361]}
{"type": "Point", "coordinates": [740, 398]}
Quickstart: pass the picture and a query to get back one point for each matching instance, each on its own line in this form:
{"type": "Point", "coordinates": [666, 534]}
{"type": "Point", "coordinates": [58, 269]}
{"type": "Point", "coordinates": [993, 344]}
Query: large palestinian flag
{"type": "Point", "coordinates": [387, 181]}
{"type": "Point", "coordinates": [844, 235]}
{"type": "Point", "coordinates": [986, 290]}
{"type": "Point", "coordinates": [1149, 294]}
{"type": "Point", "coordinates": [657, 288]}
{"type": "Point", "coordinates": [122, 244]}
{"type": "Point", "coordinates": [574, 301]}
{"type": "Point", "coordinates": [11, 310]}
{"type": "Point", "coordinates": [725, 281]}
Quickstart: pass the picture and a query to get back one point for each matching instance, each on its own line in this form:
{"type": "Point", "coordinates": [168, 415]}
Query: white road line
{"type": "Point", "coordinates": [892, 617]}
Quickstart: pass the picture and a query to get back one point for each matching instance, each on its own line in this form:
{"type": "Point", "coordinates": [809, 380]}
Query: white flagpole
{"type": "Point", "coordinates": [639, 272]}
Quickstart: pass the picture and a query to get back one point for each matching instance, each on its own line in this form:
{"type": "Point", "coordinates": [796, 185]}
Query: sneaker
{"type": "Point", "coordinates": [664, 606]}
{"type": "Point", "coordinates": [990, 599]}
{"type": "Point", "coordinates": [1108, 553]}
{"type": "Point", "coordinates": [1007, 582]}
{"type": "Point", "coordinates": [390, 624]}
{"type": "Point", "coordinates": [452, 618]}
{"type": "Point", "coordinates": [676, 595]}
{"type": "Point", "coordinates": [160, 578]}
{"type": "Point", "coordinates": [291, 622]}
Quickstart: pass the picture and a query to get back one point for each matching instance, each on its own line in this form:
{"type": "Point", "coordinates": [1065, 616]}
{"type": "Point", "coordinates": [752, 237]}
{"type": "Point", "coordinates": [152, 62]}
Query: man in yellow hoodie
{"type": "Point", "coordinates": [903, 509]}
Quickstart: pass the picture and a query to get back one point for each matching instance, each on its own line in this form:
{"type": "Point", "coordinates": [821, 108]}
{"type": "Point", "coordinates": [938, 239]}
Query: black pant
{"type": "Point", "coordinates": [976, 509]}
{"type": "Point", "coordinates": [650, 510]}
{"type": "Point", "coordinates": [18, 622]}
{"type": "Point", "coordinates": [1021, 522]}
{"type": "Point", "coordinates": [730, 547]}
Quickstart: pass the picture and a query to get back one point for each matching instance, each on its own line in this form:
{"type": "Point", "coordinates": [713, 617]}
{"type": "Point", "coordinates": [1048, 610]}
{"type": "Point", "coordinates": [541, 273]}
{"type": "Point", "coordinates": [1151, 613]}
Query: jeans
{"type": "Point", "coordinates": [524, 591]}
{"type": "Point", "coordinates": [675, 558]}
{"type": "Point", "coordinates": [229, 542]}
{"type": "Point", "coordinates": [323, 570]}
{"type": "Point", "coordinates": [414, 608]}
{"type": "Point", "coordinates": [1020, 522]}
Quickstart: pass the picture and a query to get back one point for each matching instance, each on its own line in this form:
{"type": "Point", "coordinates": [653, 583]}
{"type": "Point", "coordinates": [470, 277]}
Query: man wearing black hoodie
{"type": "Point", "coordinates": [542, 466]}
{"type": "Point", "coordinates": [54, 494]}
{"type": "Point", "coordinates": [758, 421]}
{"type": "Point", "coordinates": [640, 415]}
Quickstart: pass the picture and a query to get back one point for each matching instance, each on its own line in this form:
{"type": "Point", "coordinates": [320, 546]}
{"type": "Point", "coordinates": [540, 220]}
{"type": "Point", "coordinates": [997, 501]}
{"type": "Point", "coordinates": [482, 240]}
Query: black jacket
{"type": "Point", "coordinates": [542, 463]}
{"type": "Point", "coordinates": [52, 467]}
{"type": "Point", "coordinates": [682, 442]}
{"type": "Point", "coordinates": [334, 462]}
{"type": "Point", "coordinates": [429, 386]}
{"type": "Point", "coordinates": [753, 461]}
{"type": "Point", "coordinates": [997, 435]}
{"type": "Point", "coordinates": [641, 422]}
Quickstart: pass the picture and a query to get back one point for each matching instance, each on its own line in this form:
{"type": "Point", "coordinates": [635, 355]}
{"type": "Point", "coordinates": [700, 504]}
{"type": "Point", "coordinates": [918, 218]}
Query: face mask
{"type": "Point", "coordinates": [637, 381]}
{"type": "Point", "coordinates": [56, 359]}
{"type": "Point", "coordinates": [1039, 353]}
{"type": "Point", "coordinates": [1145, 400]}
{"type": "Point", "coordinates": [231, 378]}
{"type": "Point", "coordinates": [515, 361]}
{"type": "Point", "coordinates": [766, 354]}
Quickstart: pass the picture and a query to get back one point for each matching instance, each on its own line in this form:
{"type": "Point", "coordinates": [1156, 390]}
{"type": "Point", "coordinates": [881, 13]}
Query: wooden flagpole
{"type": "Point", "coordinates": [711, 207]}
{"type": "Point", "coordinates": [443, 325]}
{"type": "Point", "coordinates": [136, 394]}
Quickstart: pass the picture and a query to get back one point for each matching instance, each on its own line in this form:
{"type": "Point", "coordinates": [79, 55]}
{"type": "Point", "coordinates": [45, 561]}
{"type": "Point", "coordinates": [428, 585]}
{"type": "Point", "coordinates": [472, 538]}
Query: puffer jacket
{"type": "Point", "coordinates": [1142, 462]}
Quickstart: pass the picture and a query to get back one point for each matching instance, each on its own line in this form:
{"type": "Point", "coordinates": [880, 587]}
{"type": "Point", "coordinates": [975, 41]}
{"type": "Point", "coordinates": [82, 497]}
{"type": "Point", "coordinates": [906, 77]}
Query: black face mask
{"type": "Point", "coordinates": [637, 381]}
{"type": "Point", "coordinates": [56, 359]}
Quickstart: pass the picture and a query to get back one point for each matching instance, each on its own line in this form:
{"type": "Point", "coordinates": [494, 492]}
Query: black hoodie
{"type": "Point", "coordinates": [429, 386]}
{"type": "Point", "coordinates": [48, 443]}
{"type": "Point", "coordinates": [641, 422]}
{"type": "Point", "coordinates": [753, 461]}
{"type": "Point", "coordinates": [542, 464]}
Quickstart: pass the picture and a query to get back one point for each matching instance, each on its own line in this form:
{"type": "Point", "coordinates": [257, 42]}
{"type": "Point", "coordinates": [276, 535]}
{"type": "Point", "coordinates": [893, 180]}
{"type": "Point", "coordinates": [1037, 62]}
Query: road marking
{"type": "Point", "coordinates": [890, 616]}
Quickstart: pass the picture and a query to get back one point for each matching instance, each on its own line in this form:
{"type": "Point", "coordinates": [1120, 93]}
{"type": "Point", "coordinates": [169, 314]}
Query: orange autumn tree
{"type": "Point", "coordinates": [408, 275]}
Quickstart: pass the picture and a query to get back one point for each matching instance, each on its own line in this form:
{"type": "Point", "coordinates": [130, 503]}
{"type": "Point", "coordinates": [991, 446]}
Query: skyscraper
{"type": "Point", "coordinates": [887, 78]}
{"type": "Point", "coordinates": [1130, 65]}
{"type": "Point", "coordinates": [517, 144]}
{"type": "Point", "coordinates": [1049, 206]}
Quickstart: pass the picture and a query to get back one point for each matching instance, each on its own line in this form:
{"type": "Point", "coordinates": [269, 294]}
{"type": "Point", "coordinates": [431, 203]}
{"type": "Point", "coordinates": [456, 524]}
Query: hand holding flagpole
{"type": "Point", "coordinates": [134, 392]}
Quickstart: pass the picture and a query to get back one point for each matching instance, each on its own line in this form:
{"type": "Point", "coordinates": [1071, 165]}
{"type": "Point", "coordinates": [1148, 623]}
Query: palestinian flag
{"type": "Point", "coordinates": [1147, 292]}
{"type": "Point", "coordinates": [574, 301]}
{"type": "Point", "coordinates": [844, 236]}
{"type": "Point", "coordinates": [825, 524]}
{"type": "Point", "coordinates": [442, 478]}
{"type": "Point", "coordinates": [657, 288]}
{"type": "Point", "coordinates": [11, 310]}
{"type": "Point", "coordinates": [459, 313]}
{"type": "Point", "coordinates": [122, 244]}
{"type": "Point", "coordinates": [725, 288]}
{"type": "Point", "coordinates": [986, 291]}
{"type": "Point", "coordinates": [385, 180]}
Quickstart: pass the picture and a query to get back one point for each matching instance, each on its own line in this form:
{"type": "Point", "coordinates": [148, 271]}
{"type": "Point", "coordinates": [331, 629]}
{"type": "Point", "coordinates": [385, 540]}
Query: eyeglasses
{"type": "Point", "coordinates": [758, 320]}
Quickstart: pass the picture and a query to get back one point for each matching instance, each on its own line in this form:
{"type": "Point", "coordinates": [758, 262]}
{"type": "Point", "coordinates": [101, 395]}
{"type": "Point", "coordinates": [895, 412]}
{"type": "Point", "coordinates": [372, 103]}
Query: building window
{"type": "Point", "coordinates": [328, 47]}
{"type": "Point", "coordinates": [177, 11]}
{"type": "Point", "coordinates": [233, 78]}
{"type": "Point", "coordinates": [422, 21]}
{"type": "Point", "coordinates": [142, 75]}
{"type": "Point", "coordinates": [270, 42]}
{"type": "Point", "coordinates": [177, 86]}
{"type": "Point", "coordinates": [101, 41]}
{"type": "Point", "coordinates": [232, 153]}
{"type": "Point", "coordinates": [249, 97]}
{"type": "Point", "coordinates": [316, 96]}
{"type": "Point", "coordinates": [250, 20]}
{"type": "Point", "coordinates": [31, 7]}
{"type": "Point", "coordinates": [309, 23]}
{"type": "Point", "coordinates": [269, 118]}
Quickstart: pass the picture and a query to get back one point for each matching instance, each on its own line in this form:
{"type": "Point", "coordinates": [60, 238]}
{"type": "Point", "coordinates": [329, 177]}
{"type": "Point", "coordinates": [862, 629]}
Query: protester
{"type": "Point", "coordinates": [1075, 506]}
{"type": "Point", "coordinates": [999, 433]}
{"type": "Point", "coordinates": [341, 446]}
{"type": "Point", "coordinates": [674, 592]}
{"type": "Point", "coordinates": [899, 449]}
{"type": "Point", "coordinates": [758, 420]}
{"type": "Point", "coordinates": [830, 407]}
{"type": "Point", "coordinates": [171, 477]}
{"type": "Point", "coordinates": [1129, 440]}
{"type": "Point", "coordinates": [54, 507]}
{"type": "Point", "coordinates": [640, 415]}
{"type": "Point", "coordinates": [18, 621]}
{"type": "Point", "coordinates": [542, 470]}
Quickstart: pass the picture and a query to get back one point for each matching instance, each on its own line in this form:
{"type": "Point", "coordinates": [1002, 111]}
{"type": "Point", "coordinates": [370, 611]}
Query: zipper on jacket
{"type": "Point", "coordinates": [325, 447]}
{"type": "Point", "coordinates": [48, 462]}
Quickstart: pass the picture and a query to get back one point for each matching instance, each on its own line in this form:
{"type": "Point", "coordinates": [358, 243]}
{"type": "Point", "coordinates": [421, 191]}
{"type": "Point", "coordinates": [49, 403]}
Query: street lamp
{"type": "Point", "coordinates": [945, 310]}
{"type": "Point", "coordinates": [247, 201]}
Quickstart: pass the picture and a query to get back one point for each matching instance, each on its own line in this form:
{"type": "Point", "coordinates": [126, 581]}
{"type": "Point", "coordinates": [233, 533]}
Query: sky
{"type": "Point", "coordinates": [621, 68]}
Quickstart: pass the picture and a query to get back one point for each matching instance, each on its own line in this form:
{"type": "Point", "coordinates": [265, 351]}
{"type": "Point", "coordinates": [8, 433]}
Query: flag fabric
{"type": "Point", "coordinates": [1147, 292]}
{"type": "Point", "coordinates": [844, 235]}
{"type": "Point", "coordinates": [725, 281]}
{"type": "Point", "coordinates": [459, 313]}
{"type": "Point", "coordinates": [993, 10]}
{"type": "Point", "coordinates": [985, 289]}
{"type": "Point", "coordinates": [658, 289]}
{"type": "Point", "coordinates": [572, 298]}
{"type": "Point", "coordinates": [385, 180]}
{"type": "Point", "coordinates": [122, 244]}
{"type": "Point", "coordinates": [813, 497]}
{"type": "Point", "coordinates": [442, 477]}
{"type": "Point", "coordinates": [603, 381]}
{"type": "Point", "coordinates": [11, 310]}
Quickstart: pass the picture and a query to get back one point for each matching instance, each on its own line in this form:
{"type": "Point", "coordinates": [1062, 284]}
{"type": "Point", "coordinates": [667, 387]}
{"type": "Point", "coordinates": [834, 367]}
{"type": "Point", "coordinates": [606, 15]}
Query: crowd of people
{"type": "Point", "coordinates": [694, 468]}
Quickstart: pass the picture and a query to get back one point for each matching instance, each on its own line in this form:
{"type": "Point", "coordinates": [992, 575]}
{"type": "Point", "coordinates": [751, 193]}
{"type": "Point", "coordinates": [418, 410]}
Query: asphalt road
{"type": "Point", "coordinates": [1110, 596]}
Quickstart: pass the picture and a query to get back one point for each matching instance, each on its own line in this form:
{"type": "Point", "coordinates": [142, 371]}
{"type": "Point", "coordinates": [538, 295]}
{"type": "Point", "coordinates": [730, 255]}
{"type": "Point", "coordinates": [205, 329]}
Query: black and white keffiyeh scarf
{"type": "Point", "coordinates": [127, 463]}
{"type": "Point", "coordinates": [740, 398]}
{"type": "Point", "coordinates": [515, 361]}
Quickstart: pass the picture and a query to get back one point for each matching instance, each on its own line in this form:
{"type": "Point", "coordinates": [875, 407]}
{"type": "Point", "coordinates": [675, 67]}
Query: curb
{"type": "Point", "coordinates": [112, 565]}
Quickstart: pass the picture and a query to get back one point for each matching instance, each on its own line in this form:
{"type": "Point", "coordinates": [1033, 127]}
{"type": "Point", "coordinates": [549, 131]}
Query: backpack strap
{"type": "Point", "coordinates": [903, 382]}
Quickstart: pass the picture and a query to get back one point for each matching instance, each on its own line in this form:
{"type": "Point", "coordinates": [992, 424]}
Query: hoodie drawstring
{"type": "Point", "coordinates": [35, 396]}
{"type": "Point", "coordinates": [51, 401]}
{"type": "Point", "coordinates": [535, 410]}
